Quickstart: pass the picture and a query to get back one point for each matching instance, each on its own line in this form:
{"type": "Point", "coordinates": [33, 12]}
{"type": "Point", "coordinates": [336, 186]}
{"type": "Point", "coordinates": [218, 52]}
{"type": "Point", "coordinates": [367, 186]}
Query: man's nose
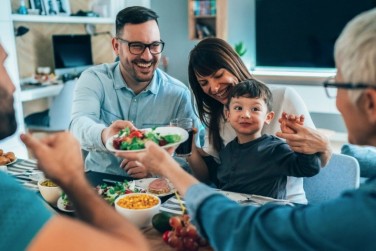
{"type": "Point", "coordinates": [147, 54]}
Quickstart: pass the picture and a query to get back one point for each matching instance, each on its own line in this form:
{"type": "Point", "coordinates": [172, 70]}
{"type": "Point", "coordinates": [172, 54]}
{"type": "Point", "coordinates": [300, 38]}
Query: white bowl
{"type": "Point", "coordinates": [139, 217]}
{"type": "Point", "coordinates": [49, 194]}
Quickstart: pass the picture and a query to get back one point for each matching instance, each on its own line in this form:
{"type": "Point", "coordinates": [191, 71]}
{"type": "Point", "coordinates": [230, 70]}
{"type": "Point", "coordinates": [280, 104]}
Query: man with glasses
{"type": "Point", "coordinates": [331, 86]}
{"type": "Point", "coordinates": [130, 92]}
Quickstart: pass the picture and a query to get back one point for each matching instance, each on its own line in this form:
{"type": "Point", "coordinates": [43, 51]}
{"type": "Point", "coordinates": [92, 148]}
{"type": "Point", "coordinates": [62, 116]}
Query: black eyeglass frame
{"type": "Point", "coordinates": [349, 86]}
{"type": "Point", "coordinates": [129, 43]}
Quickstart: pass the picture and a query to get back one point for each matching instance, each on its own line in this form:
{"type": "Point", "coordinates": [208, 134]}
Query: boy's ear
{"type": "Point", "coordinates": [269, 117]}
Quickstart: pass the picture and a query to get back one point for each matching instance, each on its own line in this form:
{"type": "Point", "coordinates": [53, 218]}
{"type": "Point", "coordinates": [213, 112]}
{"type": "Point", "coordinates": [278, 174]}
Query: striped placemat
{"type": "Point", "coordinates": [172, 205]}
{"type": "Point", "coordinates": [26, 172]}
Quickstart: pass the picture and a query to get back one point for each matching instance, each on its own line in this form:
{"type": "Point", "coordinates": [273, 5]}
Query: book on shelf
{"type": "Point", "coordinates": [204, 7]}
{"type": "Point", "coordinates": [203, 31]}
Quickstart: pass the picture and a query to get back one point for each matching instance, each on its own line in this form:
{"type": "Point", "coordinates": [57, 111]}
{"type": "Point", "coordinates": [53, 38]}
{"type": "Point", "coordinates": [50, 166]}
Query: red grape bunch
{"type": "Point", "coordinates": [183, 235]}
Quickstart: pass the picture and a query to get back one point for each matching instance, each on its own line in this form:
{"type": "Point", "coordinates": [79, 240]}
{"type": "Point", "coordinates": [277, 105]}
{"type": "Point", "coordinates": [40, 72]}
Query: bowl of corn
{"type": "Point", "coordinates": [138, 208]}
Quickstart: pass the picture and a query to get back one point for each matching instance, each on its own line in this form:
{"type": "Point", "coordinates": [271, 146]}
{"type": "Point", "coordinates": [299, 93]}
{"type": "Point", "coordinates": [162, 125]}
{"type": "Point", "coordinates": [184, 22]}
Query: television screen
{"type": "Point", "coordinates": [71, 52]}
{"type": "Point", "coordinates": [302, 33]}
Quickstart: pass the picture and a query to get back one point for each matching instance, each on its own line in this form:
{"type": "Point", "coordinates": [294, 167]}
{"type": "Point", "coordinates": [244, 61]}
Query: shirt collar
{"type": "Point", "coordinates": [120, 82]}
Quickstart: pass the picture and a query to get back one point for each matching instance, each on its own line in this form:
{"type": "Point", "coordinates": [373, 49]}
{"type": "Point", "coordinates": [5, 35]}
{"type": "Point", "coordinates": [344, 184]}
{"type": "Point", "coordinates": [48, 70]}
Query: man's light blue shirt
{"type": "Point", "coordinates": [102, 96]}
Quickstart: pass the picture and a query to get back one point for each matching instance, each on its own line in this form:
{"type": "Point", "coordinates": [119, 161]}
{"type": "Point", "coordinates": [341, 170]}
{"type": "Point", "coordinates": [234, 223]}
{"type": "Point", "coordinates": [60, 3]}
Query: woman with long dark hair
{"type": "Point", "coordinates": [214, 68]}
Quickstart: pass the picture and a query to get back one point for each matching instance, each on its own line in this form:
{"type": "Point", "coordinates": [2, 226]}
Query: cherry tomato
{"type": "Point", "coordinates": [136, 134]}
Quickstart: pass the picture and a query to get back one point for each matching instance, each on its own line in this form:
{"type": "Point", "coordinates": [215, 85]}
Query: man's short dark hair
{"type": "Point", "coordinates": [134, 15]}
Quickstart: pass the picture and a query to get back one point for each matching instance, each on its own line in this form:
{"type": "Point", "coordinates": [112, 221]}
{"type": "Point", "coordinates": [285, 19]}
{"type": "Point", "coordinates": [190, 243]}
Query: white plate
{"type": "Point", "coordinates": [36, 176]}
{"type": "Point", "coordinates": [144, 183]}
{"type": "Point", "coordinates": [60, 205]}
{"type": "Point", "coordinates": [10, 163]}
{"type": "Point", "coordinates": [237, 197]}
{"type": "Point", "coordinates": [162, 130]}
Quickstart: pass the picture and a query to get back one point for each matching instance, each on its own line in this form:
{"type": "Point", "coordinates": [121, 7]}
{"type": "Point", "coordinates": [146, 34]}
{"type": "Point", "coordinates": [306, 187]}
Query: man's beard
{"type": "Point", "coordinates": [8, 123]}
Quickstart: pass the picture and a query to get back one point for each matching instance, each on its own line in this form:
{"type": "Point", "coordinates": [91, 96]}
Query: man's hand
{"type": "Point", "coordinates": [114, 128]}
{"type": "Point", "coordinates": [59, 156]}
{"type": "Point", "coordinates": [154, 157]}
{"type": "Point", "coordinates": [134, 169]}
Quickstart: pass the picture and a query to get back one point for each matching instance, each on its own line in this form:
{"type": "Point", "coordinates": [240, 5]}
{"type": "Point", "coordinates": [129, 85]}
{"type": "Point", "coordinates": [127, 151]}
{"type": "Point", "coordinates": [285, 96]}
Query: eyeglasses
{"type": "Point", "coordinates": [137, 48]}
{"type": "Point", "coordinates": [331, 87]}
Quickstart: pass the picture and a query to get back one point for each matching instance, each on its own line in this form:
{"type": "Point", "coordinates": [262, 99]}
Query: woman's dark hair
{"type": "Point", "coordinates": [251, 88]}
{"type": "Point", "coordinates": [206, 58]}
{"type": "Point", "coordinates": [134, 15]}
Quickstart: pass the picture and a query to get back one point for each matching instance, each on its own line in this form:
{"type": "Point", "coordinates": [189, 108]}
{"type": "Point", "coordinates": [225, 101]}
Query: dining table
{"type": "Point", "coordinates": [24, 171]}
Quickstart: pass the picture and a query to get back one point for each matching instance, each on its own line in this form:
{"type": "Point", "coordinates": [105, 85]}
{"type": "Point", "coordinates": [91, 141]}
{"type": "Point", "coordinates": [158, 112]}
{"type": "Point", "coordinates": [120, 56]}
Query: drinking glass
{"type": "Point", "coordinates": [185, 148]}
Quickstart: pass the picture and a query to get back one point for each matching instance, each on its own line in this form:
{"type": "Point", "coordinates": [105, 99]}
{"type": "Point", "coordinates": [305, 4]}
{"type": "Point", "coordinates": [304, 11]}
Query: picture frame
{"type": "Point", "coordinates": [37, 5]}
{"type": "Point", "coordinates": [57, 7]}
{"type": "Point", "coordinates": [63, 7]}
{"type": "Point", "coordinates": [50, 7]}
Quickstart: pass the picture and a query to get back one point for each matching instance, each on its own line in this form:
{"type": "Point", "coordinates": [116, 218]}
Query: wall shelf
{"type": "Point", "coordinates": [207, 18]}
{"type": "Point", "coordinates": [61, 19]}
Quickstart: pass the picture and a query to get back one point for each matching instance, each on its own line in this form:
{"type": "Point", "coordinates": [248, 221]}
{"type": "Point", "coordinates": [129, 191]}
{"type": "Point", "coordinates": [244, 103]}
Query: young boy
{"type": "Point", "coordinates": [253, 163]}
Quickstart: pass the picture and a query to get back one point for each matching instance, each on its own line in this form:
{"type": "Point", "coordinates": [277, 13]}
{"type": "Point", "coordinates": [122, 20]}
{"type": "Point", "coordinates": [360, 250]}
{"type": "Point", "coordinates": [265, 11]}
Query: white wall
{"type": "Point", "coordinates": [173, 24]}
{"type": "Point", "coordinates": [174, 30]}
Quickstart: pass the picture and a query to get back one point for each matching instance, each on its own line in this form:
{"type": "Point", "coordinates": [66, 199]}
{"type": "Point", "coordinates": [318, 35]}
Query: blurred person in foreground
{"type": "Point", "coordinates": [25, 221]}
{"type": "Point", "coordinates": [345, 223]}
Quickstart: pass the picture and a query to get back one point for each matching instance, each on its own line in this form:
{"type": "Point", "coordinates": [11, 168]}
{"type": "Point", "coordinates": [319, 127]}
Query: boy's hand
{"type": "Point", "coordinates": [291, 118]}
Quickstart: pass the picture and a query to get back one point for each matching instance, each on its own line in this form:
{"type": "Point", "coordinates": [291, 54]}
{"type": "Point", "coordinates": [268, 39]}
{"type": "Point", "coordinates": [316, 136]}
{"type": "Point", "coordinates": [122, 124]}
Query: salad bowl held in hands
{"type": "Point", "coordinates": [127, 140]}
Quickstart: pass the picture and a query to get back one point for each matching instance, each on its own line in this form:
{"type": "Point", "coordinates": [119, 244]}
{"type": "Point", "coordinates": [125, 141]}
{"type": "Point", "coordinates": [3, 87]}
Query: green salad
{"type": "Point", "coordinates": [135, 139]}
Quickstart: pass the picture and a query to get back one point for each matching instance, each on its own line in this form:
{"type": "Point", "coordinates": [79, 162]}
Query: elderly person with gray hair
{"type": "Point", "coordinates": [346, 223]}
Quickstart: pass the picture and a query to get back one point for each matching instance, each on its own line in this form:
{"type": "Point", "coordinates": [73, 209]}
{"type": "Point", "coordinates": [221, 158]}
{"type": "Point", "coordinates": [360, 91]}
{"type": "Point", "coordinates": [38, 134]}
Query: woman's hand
{"type": "Point", "coordinates": [114, 128]}
{"type": "Point", "coordinates": [307, 140]}
{"type": "Point", "coordinates": [299, 119]}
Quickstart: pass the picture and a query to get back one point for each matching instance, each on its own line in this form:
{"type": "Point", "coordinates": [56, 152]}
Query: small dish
{"type": "Point", "coordinates": [10, 163]}
{"type": "Point", "coordinates": [61, 206]}
{"type": "Point", "coordinates": [144, 183]}
{"type": "Point", "coordinates": [50, 194]}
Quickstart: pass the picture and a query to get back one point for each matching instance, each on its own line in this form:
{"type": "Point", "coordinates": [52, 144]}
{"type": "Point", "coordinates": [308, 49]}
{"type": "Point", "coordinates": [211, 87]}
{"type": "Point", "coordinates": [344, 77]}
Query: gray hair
{"type": "Point", "coordinates": [355, 51]}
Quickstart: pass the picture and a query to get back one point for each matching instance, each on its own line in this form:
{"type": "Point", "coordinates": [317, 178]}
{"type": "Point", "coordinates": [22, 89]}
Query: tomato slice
{"type": "Point", "coordinates": [136, 134]}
